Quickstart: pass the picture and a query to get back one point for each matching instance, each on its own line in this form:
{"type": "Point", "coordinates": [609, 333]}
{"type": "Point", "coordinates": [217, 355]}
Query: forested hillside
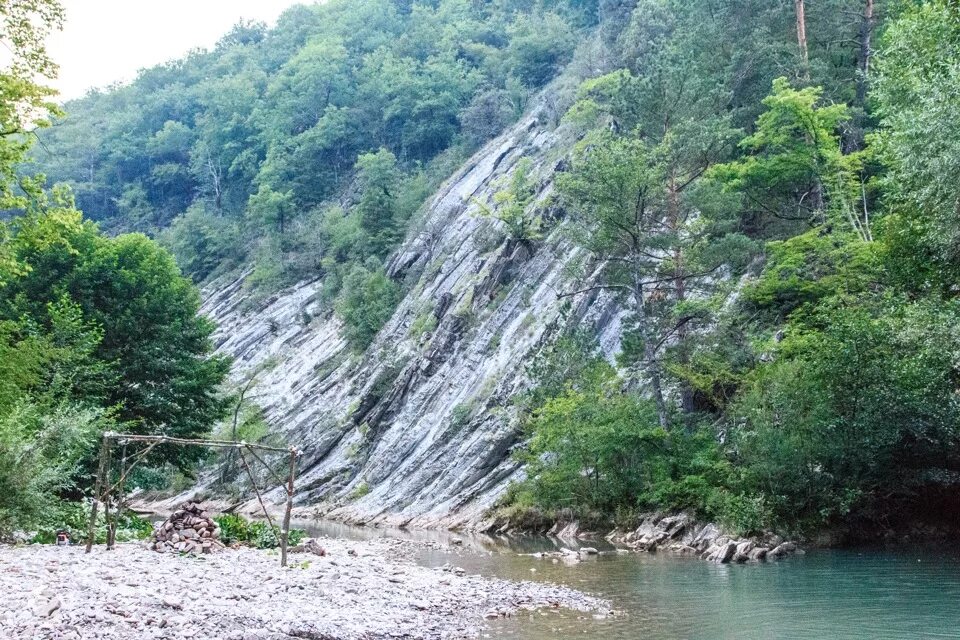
{"type": "Point", "coordinates": [97, 333]}
{"type": "Point", "coordinates": [306, 148]}
{"type": "Point", "coordinates": [761, 194]}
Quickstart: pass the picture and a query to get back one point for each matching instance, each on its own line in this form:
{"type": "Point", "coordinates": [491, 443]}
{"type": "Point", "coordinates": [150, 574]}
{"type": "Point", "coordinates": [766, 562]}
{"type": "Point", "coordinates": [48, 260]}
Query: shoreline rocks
{"type": "Point", "coordinates": [678, 533]}
{"type": "Point", "coordinates": [357, 590]}
{"type": "Point", "coordinates": [681, 534]}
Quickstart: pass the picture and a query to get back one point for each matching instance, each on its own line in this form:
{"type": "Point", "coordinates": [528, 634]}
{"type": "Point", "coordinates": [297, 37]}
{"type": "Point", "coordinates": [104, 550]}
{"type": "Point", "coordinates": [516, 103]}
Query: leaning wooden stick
{"type": "Point", "coordinates": [285, 534]}
{"type": "Point", "coordinates": [257, 489]}
{"type": "Point", "coordinates": [276, 477]}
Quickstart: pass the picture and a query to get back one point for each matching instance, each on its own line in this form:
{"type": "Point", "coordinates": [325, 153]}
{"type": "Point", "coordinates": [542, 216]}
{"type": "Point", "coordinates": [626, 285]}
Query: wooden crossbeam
{"type": "Point", "coordinates": [103, 489]}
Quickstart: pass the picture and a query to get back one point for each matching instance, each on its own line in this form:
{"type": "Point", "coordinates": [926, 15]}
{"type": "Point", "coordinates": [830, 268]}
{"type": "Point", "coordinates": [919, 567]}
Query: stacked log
{"type": "Point", "coordinates": [189, 529]}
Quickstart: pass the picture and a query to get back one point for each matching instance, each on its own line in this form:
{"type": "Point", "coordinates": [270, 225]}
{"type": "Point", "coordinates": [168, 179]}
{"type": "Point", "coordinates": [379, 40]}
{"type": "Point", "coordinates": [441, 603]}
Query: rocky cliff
{"type": "Point", "coordinates": [418, 430]}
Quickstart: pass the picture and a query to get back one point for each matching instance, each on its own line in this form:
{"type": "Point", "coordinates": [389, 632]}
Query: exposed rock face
{"type": "Point", "coordinates": [681, 534]}
{"type": "Point", "coordinates": [417, 431]}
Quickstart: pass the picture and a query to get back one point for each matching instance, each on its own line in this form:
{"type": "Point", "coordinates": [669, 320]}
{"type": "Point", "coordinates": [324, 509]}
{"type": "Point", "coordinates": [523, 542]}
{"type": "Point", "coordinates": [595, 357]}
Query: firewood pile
{"type": "Point", "coordinates": [189, 529]}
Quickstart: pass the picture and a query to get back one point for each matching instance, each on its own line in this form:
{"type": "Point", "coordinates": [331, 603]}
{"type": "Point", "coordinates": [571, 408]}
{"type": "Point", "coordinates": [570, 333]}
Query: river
{"type": "Point", "coordinates": [855, 594]}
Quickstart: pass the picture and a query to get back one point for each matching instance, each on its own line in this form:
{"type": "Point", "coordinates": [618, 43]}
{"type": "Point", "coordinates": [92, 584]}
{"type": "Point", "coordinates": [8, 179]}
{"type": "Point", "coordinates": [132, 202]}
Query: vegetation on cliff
{"type": "Point", "coordinates": [788, 266]}
{"type": "Point", "coordinates": [768, 190]}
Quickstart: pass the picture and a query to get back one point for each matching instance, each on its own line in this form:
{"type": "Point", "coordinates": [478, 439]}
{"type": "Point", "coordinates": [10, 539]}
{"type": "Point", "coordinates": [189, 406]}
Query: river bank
{"type": "Point", "coordinates": [678, 533]}
{"type": "Point", "coordinates": [360, 589]}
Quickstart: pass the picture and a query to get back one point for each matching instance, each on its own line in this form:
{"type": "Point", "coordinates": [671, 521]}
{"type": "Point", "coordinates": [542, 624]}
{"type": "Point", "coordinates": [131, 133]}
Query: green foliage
{"type": "Point", "coordinates": [515, 206]}
{"type": "Point", "coordinates": [648, 218]}
{"type": "Point", "coordinates": [487, 115]}
{"type": "Point", "coordinates": [539, 46]}
{"type": "Point", "coordinates": [41, 453]}
{"type": "Point", "coordinates": [361, 490]}
{"type": "Point", "coordinates": [807, 268]}
{"type": "Point", "coordinates": [424, 323]}
{"type": "Point", "coordinates": [916, 100]}
{"type": "Point", "coordinates": [236, 529]}
{"type": "Point", "coordinates": [368, 301]}
{"type": "Point", "coordinates": [142, 312]}
{"type": "Point", "coordinates": [796, 168]}
{"type": "Point", "coordinates": [202, 244]}
{"type": "Point", "coordinates": [830, 369]}
{"type": "Point", "coordinates": [377, 208]}
{"type": "Point", "coordinates": [96, 333]}
{"type": "Point", "coordinates": [233, 528]}
{"type": "Point", "coordinates": [270, 208]}
{"type": "Point", "coordinates": [850, 414]}
{"type": "Point", "coordinates": [828, 360]}
{"type": "Point", "coordinates": [246, 140]}
{"type": "Point", "coordinates": [594, 448]}
{"type": "Point", "coordinates": [26, 105]}
{"type": "Point", "coordinates": [461, 415]}
{"type": "Point", "coordinates": [74, 517]}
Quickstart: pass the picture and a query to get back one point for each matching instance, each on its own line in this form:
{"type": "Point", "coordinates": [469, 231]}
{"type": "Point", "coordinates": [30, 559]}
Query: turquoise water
{"type": "Point", "coordinates": [862, 594]}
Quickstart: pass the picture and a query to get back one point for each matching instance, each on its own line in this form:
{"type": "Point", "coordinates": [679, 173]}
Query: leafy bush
{"type": "Point", "coordinates": [601, 449]}
{"type": "Point", "coordinates": [361, 490]}
{"type": "Point", "coordinates": [461, 415]}
{"type": "Point", "coordinates": [854, 412]}
{"type": "Point", "coordinates": [368, 300]}
{"type": "Point", "coordinates": [515, 207]}
{"type": "Point", "coordinates": [74, 517]}
{"type": "Point", "coordinates": [233, 528]}
{"type": "Point", "coordinates": [256, 533]}
{"type": "Point", "coordinates": [41, 454]}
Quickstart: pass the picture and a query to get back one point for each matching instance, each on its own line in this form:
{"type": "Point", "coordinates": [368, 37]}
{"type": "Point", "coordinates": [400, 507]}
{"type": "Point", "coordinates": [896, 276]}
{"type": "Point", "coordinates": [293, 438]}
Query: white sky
{"type": "Point", "coordinates": [104, 41]}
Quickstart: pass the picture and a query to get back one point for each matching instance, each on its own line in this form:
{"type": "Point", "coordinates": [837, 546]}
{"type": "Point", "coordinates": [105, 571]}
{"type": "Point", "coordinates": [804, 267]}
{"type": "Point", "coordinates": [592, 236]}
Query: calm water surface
{"type": "Point", "coordinates": [866, 594]}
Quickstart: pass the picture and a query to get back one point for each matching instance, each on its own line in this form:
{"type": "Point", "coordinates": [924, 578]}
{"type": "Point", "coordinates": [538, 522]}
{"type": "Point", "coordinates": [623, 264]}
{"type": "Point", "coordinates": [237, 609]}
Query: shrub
{"type": "Point", "coordinates": [74, 517]}
{"type": "Point", "coordinates": [367, 301]}
{"type": "Point", "coordinates": [461, 415]}
{"type": "Point", "coordinates": [40, 456]}
{"type": "Point", "coordinates": [362, 489]}
{"type": "Point", "coordinates": [256, 533]}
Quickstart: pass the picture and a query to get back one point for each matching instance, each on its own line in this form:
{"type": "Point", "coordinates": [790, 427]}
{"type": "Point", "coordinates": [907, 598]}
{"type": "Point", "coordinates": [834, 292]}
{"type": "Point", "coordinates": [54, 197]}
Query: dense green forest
{"type": "Point", "coordinates": [771, 189]}
{"type": "Point", "coordinates": [768, 187]}
{"type": "Point", "coordinates": [97, 333]}
{"type": "Point", "coordinates": [304, 150]}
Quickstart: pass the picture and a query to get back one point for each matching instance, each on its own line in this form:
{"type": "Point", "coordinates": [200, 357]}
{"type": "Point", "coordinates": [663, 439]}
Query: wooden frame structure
{"type": "Point", "coordinates": [105, 489]}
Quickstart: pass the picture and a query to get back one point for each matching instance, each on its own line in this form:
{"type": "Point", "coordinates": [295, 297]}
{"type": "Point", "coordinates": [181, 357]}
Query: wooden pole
{"type": "Point", "coordinates": [118, 512]}
{"type": "Point", "coordinates": [285, 533]}
{"type": "Point", "coordinates": [222, 444]}
{"type": "Point", "coordinates": [107, 497]}
{"type": "Point", "coordinates": [253, 483]}
{"type": "Point", "coordinates": [98, 487]}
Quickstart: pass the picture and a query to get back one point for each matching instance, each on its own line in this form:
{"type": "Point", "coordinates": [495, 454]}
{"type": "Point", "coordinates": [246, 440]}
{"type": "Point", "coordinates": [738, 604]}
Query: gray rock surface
{"type": "Point", "coordinates": [682, 535]}
{"type": "Point", "coordinates": [418, 431]}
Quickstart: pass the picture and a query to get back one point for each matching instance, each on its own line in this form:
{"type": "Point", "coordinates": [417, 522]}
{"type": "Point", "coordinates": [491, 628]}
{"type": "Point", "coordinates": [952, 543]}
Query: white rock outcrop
{"type": "Point", "coordinates": [418, 430]}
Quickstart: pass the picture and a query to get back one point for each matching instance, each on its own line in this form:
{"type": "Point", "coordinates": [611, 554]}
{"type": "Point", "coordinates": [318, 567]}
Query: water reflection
{"type": "Point", "coordinates": [873, 594]}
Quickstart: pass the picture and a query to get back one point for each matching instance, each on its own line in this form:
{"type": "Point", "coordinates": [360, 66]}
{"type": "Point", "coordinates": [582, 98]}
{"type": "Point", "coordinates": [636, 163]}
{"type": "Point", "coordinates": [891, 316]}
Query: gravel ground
{"type": "Point", "coordinates": [359, 590]}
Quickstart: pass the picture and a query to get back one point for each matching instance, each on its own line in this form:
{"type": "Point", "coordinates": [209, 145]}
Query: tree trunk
{"type": "Point", "coordinates": [863, 59]}
{"type": "Point", "coordinates": [650, 354]}
{"type": "Point", "coordinates": [802, 36]}
{"type": "Point", "coordinates": [680, 286]}
{"type": "Point", "coordinates": [864, 55]}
